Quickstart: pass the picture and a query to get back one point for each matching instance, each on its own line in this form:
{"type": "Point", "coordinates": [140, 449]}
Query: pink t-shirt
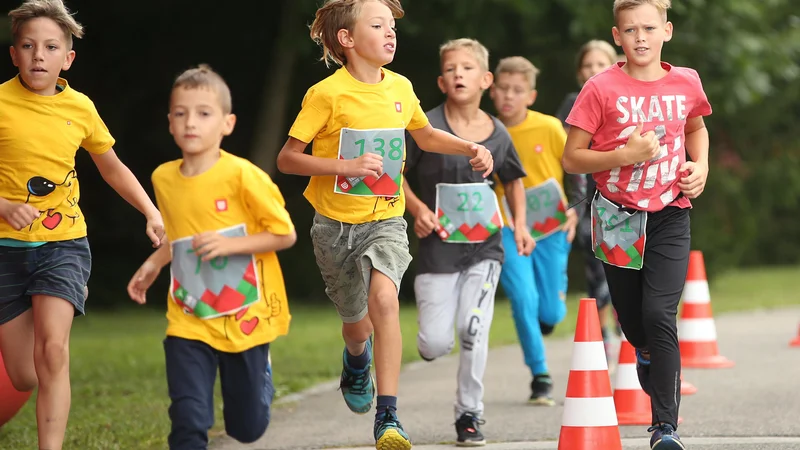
{"type": "Point", "coordinates": [612, 103]}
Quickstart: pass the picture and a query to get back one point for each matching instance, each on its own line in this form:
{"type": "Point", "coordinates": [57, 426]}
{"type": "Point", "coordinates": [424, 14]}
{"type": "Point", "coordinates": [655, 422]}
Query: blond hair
{"type": "Point", "coordinates": [518, 64]}
{"type": "Point", "coordinates": [336, 15]}
{"type": "Point", "coordinates": [599, 45]}
{"type": "Point", "coordinates": [479, 52]}
{"type": "Point", "coordinates": [54, 10]}
{"type": "Point", "coordinates": [203, 77]}
{"type": "Point", "coordinates": [661, 5]}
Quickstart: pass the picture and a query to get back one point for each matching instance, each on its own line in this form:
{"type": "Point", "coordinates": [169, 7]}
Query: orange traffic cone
{"type": "Point", "coordinates": [632, 403]}
{"type": "Point", "coordinates": [589, 421]}
{"type": "Point", "coordinates": [696, 330]}
{"type": "Point", "coordinates": [687, 388]}
{"type": "Point", "coordinates": [796, 341]}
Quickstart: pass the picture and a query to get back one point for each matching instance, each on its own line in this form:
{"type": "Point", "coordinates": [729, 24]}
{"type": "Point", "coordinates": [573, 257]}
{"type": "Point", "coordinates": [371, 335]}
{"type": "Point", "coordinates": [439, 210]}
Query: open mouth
{"type": "Point", "coordinates": [641, 50]}
{"type": "Point", "coordinates": [460, 86]}
{"type": "Point", "coordinates": [389, 47]}
{"type": "Point", "coordinates": [38, 70]}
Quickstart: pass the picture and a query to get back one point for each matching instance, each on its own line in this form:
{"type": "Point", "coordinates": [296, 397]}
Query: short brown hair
{"type": "Point", "coordinates": [54, 10]}
{"type": "Point", "coordinates": [203, 76]}
{"type": "Point", "coordinates": [336, 15]}
{"type": "Point", "coordinates": [661, 5]}
{"type": "Point", "coordinates": [477, 49]}
{"type": "Point", "coordinates": [518, 64]}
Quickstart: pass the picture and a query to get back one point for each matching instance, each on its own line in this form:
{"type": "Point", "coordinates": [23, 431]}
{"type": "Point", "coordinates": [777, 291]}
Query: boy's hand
{"type": "Point", "coordinates": [210, 245]}
{"type": "Point", "coordinates": [141, 281]}
{"type": "Point", "coordinates": [19, 215]}
{"type": "Point", "coordinates": [571, 224]}
{"type": "Point", "coordinates": [368, 164]}
{"type": "Point", "coordinates": [155, 229]}
{"type": "Point", "coordinates": [425, 222]}
{"type": "Point", "coordinates": [483, 161]}
{"type": "Point", "coordinates": [642, 148]}
{"type": "Point", "coordinates": [524, 240]}
{"type": "Point", "coordinates": [693, 184]}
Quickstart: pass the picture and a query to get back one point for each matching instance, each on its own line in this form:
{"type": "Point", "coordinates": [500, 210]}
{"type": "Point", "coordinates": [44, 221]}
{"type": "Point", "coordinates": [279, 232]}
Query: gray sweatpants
{"type": "Point", "coordinates": [464, 299]}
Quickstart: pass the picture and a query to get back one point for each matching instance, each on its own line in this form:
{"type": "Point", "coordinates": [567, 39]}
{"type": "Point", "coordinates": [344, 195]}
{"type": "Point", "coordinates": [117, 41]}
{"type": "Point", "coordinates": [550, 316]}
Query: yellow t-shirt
{"type": "Point", "coordinates": [39, 137]}
{"type": "Point", "coordinates": [539, 140]}
{"type": "Point", "coordinates": [233, 193]}
{"type": "Point", "coordinates": [342, 102]}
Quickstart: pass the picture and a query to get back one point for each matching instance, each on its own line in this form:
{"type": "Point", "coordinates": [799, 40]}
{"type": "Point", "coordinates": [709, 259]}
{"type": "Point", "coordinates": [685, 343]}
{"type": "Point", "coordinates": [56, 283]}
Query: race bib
{"type": "Point", "coordinates": [215, 288]}
{"type": "Point", "coordinates": [390, 143]}
{"type": "Point", "coordinates": [618, 236]}
{"type": "Point", "coordinates": [546, 209]}
{"type": "Point", "coordinates": [467, 213]}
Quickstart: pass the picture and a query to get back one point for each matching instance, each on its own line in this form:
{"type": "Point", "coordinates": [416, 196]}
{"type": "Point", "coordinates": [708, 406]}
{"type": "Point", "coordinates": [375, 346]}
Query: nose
{"type": "Point", "coordinates": [38, 54]}
{"type": "Point", "coordinates": [390, 33]}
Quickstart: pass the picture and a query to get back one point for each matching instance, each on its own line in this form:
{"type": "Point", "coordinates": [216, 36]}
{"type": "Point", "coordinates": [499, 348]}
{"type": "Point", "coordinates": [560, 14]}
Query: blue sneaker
{"type": "Point", "coordinates": [643, 371]}
{"type": "Point", "coordinates": [665, 438]}
{"type": "Point", "coordinates": [389, 433]}
{"type": "Point", "coordinates": [358, 387]}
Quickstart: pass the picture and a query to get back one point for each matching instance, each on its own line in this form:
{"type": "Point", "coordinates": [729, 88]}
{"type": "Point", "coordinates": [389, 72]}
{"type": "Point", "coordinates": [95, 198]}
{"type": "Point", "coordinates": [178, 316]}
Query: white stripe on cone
{"type": "Point", "coordinates": [589, 412]}
{"type": "Point", "coordinates": [696, 292]}
{"type": "Point", "coordinates": [588, 356]}
{"type": "Point", "coordinates": [626, 378]}
{"type": "Point", "coordinates": [697, 330]}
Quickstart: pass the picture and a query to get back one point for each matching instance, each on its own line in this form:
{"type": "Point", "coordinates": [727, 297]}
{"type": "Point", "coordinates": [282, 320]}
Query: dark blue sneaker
{"type": "Point", "coordinates": [389, 433]}
{"type": "Point", "coordinates": [358, 387]}
{"type": "Point", "coordinates": [665, 438]}
{"type": "Point", "coordinates": [643, 371]}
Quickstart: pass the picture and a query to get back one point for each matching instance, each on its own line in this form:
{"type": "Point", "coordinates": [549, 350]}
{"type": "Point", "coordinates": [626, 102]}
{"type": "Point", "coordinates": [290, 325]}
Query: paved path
{"type": "Point", "coordinates": [753, 406]}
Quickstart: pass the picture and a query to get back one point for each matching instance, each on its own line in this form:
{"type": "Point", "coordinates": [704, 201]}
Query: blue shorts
{"type": "Point", "coordinates": [59, 269]}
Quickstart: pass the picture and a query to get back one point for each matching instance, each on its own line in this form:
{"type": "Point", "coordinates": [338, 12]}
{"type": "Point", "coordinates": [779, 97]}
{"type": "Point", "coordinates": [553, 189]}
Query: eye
{"type": "Point", "coordinates": [52, 47]}
{"type": "Point", "coordinates": [27, 46]}
{"type": "Point", "coordinates": [650, 28]}
{"type": "Point", "coordinates": [178, 114]}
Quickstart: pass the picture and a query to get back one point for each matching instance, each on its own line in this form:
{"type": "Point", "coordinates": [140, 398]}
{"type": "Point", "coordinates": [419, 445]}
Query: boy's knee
{"type": "Point", "coordinates": [436, 345]}
{"type": "Point", "coordinates": [23, 381]}
{"type": "Point", "coordinates": [359, 331]}
{"type": "Point", "coordinates": [52, 355]}
{"type": "Point", "coordinates": [384, 304]}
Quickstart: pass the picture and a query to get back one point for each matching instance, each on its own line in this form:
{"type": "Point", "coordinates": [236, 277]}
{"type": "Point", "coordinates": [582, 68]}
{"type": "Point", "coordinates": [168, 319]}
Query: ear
{"type": "Point", "coordinates": [230, 122]}
{"type": "Point", "coordinates": [487, 80]}
{"type": "Point", "coordinates": [440, 83]}
{"type": "Point", "coordinates": [668, 31]}
{"type": "Point", "coordinates": [532, 98]}
{"type": "Point", "coordinates": [345, 38]}
{"type": "Point", "coordinates": [616, 35]}
{"type": "Point", "coordinates": [68, 60]}
{"type": "Point", "coordinates": [13, 52]}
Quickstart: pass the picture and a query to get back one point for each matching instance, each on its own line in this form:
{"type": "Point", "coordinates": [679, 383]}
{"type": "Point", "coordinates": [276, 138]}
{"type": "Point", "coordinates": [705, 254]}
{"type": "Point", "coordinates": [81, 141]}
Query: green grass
{"type": "Point", "coordinates": [119, 386]}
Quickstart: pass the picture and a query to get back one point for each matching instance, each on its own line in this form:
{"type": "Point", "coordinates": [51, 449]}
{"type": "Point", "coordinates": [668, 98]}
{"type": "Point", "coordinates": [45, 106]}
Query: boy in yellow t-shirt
{"type": "Point", "coordinates": [535, 284]}
{"type": "Point", "coordinates": [357, 119]}
{"type": "Point", "coordinates": [45, 260]}
{"type": "Point", "coordinates": [225, 219]}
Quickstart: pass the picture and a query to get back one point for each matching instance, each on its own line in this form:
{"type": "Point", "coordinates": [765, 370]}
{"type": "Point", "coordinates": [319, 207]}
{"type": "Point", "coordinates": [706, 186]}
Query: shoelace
{"type": "Point", "coordinates": [665, 429]}
{"type": "Point", "coordinates": [468, 421]}
{"type": "Point", "coordinates": [389, 420]}
{"type": "Point", "coordinates": [357, 382]}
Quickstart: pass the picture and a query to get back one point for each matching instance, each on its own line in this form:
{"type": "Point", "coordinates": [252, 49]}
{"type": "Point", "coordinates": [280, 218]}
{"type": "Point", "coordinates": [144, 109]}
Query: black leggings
{"type": "Point", "coordinates": [647, 300]}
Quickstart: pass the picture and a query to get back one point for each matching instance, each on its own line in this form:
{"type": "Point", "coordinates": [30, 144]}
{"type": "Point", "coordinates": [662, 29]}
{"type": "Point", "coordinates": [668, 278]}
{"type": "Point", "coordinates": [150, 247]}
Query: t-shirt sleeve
{"type": "Point", "coordinates": [99, 139]}
{"type": "Point", "coordinates": [264, 201]}
{"type": "Point", "coordinates": [587, 112]}
{"type": "Point", "coordinates": [702, 107]}
{"type": "Point", "coordinates": [508, 166]}
{"type": "Point", "coordinates": [313, 116]}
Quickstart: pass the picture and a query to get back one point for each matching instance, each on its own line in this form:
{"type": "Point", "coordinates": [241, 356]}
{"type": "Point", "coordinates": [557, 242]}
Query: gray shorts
{"type": "Point", "coordinates": [347, 253]}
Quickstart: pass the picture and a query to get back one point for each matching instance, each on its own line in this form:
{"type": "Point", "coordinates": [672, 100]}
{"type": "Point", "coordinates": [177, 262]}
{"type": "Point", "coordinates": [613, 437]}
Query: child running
{"type": "Point", "coordinates": [631, 127]}
{"type": "Point", "coordinates": [45, 260]}
{"type": "Point", "coordinates": [357, 119]}
{"type": "Point", "coordinates": [535, 284]}
{"type": "Point", "coordinates": [225, 221]}
{"type": "Point", "coordinates": [459, 265]}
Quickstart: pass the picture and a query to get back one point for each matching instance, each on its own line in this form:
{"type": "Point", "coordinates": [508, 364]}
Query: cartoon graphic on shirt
{"type": "Point", "coordinates": [49, 197]}
{"type": "Point", "coordinates": [273, 307]}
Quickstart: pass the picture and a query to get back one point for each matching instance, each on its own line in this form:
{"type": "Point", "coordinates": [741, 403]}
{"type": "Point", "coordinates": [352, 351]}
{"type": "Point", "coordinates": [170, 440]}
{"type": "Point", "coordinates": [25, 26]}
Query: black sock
{"type": "Point", "coordinates": [359, 362]}
{"type": "Point", "coordinates": [385, 402]}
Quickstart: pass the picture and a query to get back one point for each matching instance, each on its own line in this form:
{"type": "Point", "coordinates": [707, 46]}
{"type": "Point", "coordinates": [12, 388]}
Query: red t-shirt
{"type": "Point", "coordinates": [612, 103]}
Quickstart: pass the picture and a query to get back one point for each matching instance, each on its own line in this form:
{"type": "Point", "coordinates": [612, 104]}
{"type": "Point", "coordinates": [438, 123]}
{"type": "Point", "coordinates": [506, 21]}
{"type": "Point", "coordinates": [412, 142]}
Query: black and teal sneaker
{"type": "Point", "coordinates": [389, 433]}
{"type": "Point", "coordinates": [469, 432]}
{"type": "Point", "coordinates": [358, 387]}
{"type": "Point", "coordinates": [541, 391]}
{"type": "Point", "coordinates": [665, 438]}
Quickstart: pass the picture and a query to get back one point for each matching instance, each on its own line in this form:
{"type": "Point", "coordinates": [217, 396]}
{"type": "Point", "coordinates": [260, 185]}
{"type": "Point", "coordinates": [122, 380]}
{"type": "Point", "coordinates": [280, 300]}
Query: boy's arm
{"type": "Point", "coordinates": [424, 219]}
{"type": "Point", "coordinates": [148, 272]}
{"type": "Point", "coordinates": [437, 141]}
{"type": "Point", "coordinates": [697, 144]}
{"type": "Point", "coordinates": [578, 158]}
{"type": "Point", "coordinates": [212, 245]}
{"type": "Point", "coordinates": [122, 180]}
{"type": "Point", "coordinates": [293, 160]}
{"type": "Point", "coordinates": [515, 195]}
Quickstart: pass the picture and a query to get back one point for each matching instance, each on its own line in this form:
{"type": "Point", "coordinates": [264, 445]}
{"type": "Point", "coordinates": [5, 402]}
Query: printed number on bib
{"type": "Point", "coordinates": [390, 144]}
{"type": "Point", "coordinates": [467, 213]}
{"type": "Point", "coordinates": [215, 288]}
{"type": "Point", "coordinates": [618, 236]}
{"type": "Point", "coordinates": [546, 209]}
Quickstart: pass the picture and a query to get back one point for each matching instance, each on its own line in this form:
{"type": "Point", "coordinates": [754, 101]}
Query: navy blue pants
{"type": "Point", "coordinates": [247, 392]}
